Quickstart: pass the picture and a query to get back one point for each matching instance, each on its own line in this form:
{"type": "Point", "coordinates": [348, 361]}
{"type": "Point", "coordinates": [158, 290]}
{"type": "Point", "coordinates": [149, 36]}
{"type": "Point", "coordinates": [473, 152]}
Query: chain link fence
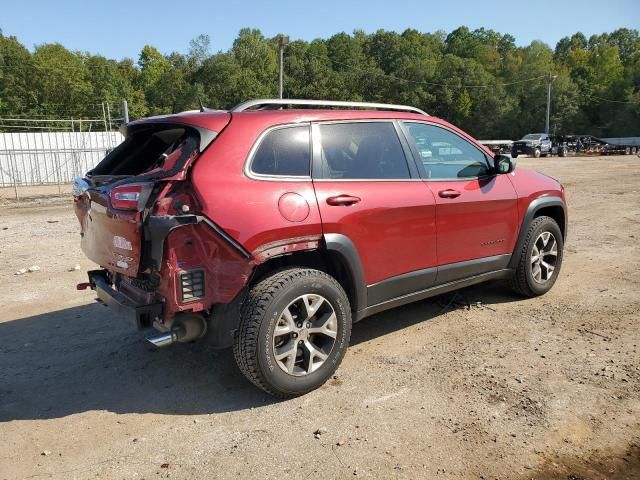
{"type": "Point", "coordinates": [41, 156]}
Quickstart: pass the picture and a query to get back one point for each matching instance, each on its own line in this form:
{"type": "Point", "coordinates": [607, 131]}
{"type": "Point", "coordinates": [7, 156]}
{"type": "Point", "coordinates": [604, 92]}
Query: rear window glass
{"type": "Point", "coordinates": [284, 152]}
{"type": "Point", "coordinates": [362, 151]}
{"type": "Point", "coordinates": [149, 149]}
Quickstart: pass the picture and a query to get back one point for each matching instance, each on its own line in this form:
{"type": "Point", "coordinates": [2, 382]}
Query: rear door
{"type": "Point", "coordinates": [368, 191]}
{"type": "Point", "coordinates": [476, 209]}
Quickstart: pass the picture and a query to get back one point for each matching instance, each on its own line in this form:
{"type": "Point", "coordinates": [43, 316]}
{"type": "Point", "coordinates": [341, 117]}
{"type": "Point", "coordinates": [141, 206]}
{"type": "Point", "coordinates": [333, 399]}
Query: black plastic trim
{"type": "Point", "coordinates": [432, 292]}
{"type": "Point", "coordinates": [534, 206]}
{"type": "Point", "coordinates": [400, 285]}
{"type": "Point", "coordinates": [468, 268]}
{"type": "Point", "coordinates": [156, 230]}
{"type": "Point", "coordinates": [237, 245]}
{"type": "Point", "coordinates": [344, 247]}
{"type": "Point", "coordinates": [139, 316]}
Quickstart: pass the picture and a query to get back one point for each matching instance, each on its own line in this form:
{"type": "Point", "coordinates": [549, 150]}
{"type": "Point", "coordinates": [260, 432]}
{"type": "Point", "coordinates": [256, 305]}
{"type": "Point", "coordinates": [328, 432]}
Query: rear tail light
{"type": "Point", "coordinates": [127, 197]}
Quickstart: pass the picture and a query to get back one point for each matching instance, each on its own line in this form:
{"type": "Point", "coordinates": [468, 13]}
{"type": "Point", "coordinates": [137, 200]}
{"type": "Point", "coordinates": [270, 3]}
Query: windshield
{"type": "Point", "coordinates": [532, 136]}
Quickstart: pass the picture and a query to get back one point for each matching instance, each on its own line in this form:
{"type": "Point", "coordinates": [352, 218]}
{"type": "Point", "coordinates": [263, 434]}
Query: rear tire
{"type": "Point", "coordinates": [294, 330]}
{"type": "Point", "coordinates": [540, 258]}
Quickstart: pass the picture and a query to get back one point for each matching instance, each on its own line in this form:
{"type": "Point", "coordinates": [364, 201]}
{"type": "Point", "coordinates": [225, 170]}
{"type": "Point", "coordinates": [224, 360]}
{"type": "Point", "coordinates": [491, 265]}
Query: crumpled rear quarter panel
{"type": "Point", "coordinates": [199, 247]}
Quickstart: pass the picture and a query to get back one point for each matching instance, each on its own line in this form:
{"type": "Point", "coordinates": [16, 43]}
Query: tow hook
{"type": "Point", "coordinates": [187, 327]}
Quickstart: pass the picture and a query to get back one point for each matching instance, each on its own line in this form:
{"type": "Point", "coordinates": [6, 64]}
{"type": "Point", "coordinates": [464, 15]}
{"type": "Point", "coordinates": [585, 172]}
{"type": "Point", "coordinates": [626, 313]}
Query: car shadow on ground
{"type": "Point", "coordinates": [84, 358]}
{"type": "Point", "coordinates": [478, 296]}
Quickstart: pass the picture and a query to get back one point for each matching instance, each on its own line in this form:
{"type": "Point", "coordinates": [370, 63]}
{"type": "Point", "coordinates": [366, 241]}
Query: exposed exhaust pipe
{"type": "Point", "coordinates": [186, 327]}
{"type": "Point", "coordinates": [167, 338]}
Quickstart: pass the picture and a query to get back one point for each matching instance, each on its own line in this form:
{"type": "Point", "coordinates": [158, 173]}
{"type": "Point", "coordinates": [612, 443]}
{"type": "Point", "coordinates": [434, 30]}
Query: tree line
{"type": "Point", "coordinates": [478, 79]}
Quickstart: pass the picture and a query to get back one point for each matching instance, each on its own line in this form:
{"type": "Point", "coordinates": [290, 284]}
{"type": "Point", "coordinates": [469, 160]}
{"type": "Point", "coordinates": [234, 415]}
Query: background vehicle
{"type": "Point", "coordinates": [272, 230]}
{"type": "Point", "coordinates": [608, 146]}
{"type": "Point", "coordinates": [498, 146]}
{"type": "Point", "coordinates": [534, 144]}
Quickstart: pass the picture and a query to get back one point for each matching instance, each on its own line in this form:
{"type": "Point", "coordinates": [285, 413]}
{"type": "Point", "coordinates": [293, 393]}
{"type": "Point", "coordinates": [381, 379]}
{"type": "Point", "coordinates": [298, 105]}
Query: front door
{"type": "Point", "coordinates": [369, 191]}
{"type": "Point", "coordinates": [476, 213]}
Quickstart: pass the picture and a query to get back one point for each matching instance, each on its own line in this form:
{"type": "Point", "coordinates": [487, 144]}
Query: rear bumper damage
{"type": "Point", "coordinates": [140, 315]}
{"type": "Point", "coordinates": [193, 268]}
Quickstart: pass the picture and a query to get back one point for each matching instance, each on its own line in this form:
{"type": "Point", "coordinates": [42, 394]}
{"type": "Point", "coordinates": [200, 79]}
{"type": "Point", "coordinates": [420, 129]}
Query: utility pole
{"type": "Point", "coordinates": [125, 112]}
{"type": "Point", "coordinates": [283, 40]}
{"type": "Point", "coordinates": [550, 79]}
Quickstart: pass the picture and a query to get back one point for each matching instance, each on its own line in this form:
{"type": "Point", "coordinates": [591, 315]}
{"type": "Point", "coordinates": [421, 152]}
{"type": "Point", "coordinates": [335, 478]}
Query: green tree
{"type": "Point", "coordinates": [16, 70]}
{"type": "Point", "coordinates": [62, 85]}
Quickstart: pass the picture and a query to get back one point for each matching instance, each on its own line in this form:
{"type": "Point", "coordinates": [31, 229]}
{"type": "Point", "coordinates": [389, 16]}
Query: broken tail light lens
{"type": "Point", "coordinates": [126, 197]}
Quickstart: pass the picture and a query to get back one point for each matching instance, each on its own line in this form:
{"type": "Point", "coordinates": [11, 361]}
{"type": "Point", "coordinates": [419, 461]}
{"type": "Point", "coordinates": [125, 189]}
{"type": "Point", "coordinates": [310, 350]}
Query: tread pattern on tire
{"type": "Point", "coordinates": [519, 280]}
{"type": "Point", "coordinates": [252, 312]}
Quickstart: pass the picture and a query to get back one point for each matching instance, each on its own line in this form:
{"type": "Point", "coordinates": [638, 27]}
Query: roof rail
{"type": "Point", "coordinates": [265, 103]}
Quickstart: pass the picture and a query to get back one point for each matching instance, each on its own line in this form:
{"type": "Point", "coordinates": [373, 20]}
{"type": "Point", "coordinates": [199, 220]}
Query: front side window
{"type": "Point", "coordinates": [361, 151]}
{"type": "Point", "coordinates": [284, 152]}
{"type": "Point", "coordinates": [445, 155]}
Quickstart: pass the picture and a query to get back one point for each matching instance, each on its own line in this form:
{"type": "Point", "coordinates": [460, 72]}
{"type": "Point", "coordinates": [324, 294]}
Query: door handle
{"type": "Point", "coordinates": [449, 193]}
{"type": "Point", "coordinates": [343, 200]}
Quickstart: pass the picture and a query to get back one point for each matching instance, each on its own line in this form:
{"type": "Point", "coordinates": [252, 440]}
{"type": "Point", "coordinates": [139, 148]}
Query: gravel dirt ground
{"type": "Point", "coordinates": [507, 388]}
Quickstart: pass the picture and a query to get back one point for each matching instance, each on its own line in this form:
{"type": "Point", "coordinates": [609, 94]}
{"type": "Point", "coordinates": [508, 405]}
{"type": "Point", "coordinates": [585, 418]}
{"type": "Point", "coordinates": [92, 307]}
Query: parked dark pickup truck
{"type": "Point", "coordinates": [534, 144]}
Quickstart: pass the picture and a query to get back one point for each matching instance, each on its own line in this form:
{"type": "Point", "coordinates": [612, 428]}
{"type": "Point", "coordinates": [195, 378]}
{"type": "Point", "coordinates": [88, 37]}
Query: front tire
{"type": "Point", "coordinates": [294, 330]}
{"type": "Point", "coordinates": [536, 153]}
{"type": "Point", "coordinates": [540, 258]}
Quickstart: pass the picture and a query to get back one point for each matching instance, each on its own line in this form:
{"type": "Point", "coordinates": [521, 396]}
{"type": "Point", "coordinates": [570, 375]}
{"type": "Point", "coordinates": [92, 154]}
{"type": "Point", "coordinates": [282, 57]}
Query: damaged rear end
{"type": "Point", "coordinates": [141, 222]}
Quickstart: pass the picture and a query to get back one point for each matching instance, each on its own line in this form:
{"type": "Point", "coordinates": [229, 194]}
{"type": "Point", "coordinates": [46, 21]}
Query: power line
{"type": "Point", "coordinates": [614, 101]}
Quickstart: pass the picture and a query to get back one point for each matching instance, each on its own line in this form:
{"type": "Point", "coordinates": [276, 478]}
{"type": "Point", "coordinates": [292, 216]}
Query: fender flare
{"type": "Point", "coordinates": [343, 246]}
{"type": "Point", "coordinates": [532, 209]}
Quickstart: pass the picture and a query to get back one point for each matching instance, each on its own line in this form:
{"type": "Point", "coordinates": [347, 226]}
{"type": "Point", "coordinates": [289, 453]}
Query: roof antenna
{"type": "Point", "coordinates": [202, 109]}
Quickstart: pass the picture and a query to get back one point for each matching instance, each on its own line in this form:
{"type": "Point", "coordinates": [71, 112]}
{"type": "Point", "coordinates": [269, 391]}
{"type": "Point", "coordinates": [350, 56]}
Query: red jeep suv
{"type": "Point", "coordinates": [273, 226]}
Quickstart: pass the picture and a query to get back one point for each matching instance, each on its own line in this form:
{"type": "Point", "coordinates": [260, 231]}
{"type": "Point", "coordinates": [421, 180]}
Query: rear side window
{"type": "Point", "coordinates": [284, 152]}
{"type": "Point", "coordinates": [362, 151]}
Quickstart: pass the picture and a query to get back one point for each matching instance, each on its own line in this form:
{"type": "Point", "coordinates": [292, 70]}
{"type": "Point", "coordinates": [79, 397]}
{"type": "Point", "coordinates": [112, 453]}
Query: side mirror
{"type": "Point", "coordinates": [503, 164]}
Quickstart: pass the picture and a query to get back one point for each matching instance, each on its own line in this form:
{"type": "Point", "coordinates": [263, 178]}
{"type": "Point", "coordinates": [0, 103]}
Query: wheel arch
{"type": "Point", "coordinates": [336, 256]}
{"type": "Point", "coordinates": [551, 206]}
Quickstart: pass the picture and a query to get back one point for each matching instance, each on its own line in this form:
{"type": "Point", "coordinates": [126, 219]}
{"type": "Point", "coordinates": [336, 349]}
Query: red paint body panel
{"type": "Point", "coordinates": [194, 247]}
{"type": "Point", "coordinates": [247, 209]}
{"type": "Point", "coordinates": [530, 185]}
{"type": "Point", "coordinates": [100, 225]}
{"type": "Point", "coordinates": [482, 221]}
{"type": "Point", "coordinates": [392, 226]}
{"type": "Point", "coordinates": [215, 121]}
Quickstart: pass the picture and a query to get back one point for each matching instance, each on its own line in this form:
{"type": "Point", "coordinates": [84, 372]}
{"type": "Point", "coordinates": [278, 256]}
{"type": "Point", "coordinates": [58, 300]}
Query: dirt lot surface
{"type": "Point", "coordinates": [508, 388]}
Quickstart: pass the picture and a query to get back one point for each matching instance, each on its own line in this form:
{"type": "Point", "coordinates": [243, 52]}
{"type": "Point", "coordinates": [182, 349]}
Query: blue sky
{"type": "Point", "coordinates": [119, 29]}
